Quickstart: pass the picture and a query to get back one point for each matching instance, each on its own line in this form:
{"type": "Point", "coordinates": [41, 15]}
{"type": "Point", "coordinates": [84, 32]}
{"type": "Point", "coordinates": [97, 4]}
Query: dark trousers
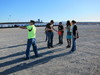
{"type": "Point", "coordinates": [73, 44]}
{"type": "Point", "coordinates": [46, 35]}
{"type": "Point", "coordinates": [50, 36]}
{"type": "Point", "coordinates": [61, 39]}
{"type": "Point", "coordinates": [33, 43]}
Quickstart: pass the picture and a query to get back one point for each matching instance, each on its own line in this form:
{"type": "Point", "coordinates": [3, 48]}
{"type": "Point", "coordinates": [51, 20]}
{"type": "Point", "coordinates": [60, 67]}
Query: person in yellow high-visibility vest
{"type": "Point", "coordinates": [31, 39]}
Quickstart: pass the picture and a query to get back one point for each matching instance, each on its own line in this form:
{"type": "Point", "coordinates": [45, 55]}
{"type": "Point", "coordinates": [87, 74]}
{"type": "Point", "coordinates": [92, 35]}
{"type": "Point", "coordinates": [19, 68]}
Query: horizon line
{"type": "Point", "coordinates": [45, 21]}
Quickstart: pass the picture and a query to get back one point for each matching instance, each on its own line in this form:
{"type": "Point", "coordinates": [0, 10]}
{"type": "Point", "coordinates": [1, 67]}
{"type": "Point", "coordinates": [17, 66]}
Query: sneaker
{"type": "Point", "coordinates": [36, 56]}
{"type": "Point", "coordinates": [61, 42]}
{"type": "Point", "coordinates": [26, 58]}
{"type": "Point", "coordinates": [52, 47]}
{"type": "Point", "coordinates": [68, 46]}
{"type": "Point", "coordinates": [72, 50]}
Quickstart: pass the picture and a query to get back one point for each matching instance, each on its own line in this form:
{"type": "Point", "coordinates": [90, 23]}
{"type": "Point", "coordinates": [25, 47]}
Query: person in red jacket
{"type": "Point", "coordinates": [60, 33]}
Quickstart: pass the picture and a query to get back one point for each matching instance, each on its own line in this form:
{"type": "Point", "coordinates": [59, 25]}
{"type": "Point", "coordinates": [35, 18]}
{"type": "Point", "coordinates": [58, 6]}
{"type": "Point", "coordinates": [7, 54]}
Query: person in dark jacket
{"type": "Point", "coordinates": [50, 34]}
{"type": "Point", "coordinates": [60, 33]}
{"type": "Point", "coordinates": [74, 35]}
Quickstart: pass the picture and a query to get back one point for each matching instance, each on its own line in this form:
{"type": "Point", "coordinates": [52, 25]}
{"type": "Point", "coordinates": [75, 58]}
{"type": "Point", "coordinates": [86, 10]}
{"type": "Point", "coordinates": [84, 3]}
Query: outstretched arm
{"type": "Point", "coordinates": [23, 27]}
{"type": "Point", "coordinates": [54, 29]}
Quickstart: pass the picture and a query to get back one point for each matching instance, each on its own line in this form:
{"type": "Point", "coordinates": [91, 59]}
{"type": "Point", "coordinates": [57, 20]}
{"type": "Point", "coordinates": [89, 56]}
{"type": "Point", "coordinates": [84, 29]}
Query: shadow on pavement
{"type": "Point", "coordinates": [23, 66]}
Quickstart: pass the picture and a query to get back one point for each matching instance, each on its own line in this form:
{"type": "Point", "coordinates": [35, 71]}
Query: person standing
{"type": "Point", "coordinates": [50, 34]}
{"type": "Point", "coordinates": [74, 35]}
{"type": "Point", "coordinates": [31, 39]}
{"type": "Point", "coordinates": [60, 33]}
{"type": "Point", "coordinates": [68, 37]}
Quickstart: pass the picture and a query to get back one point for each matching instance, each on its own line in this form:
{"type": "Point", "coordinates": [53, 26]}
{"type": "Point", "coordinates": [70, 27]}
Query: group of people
{"type": "Point", "coordinates": [71, 30]}
{"type": "Point", "coordinates": [71, 33]}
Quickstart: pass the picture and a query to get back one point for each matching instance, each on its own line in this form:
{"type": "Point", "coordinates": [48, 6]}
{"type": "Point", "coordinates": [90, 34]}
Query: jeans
{"type": "Point", "coordinates": [61, 39]}
{"type": "Point", "coordinates": [33, 43]}
{"type": "Point", "coordinates": [50, 39]}
{"type": "Point", "coordinates": [73, 44]}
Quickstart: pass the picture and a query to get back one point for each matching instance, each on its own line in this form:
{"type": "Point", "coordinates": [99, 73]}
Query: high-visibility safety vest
{"type": "Point", "coordinates": [31, 31]}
